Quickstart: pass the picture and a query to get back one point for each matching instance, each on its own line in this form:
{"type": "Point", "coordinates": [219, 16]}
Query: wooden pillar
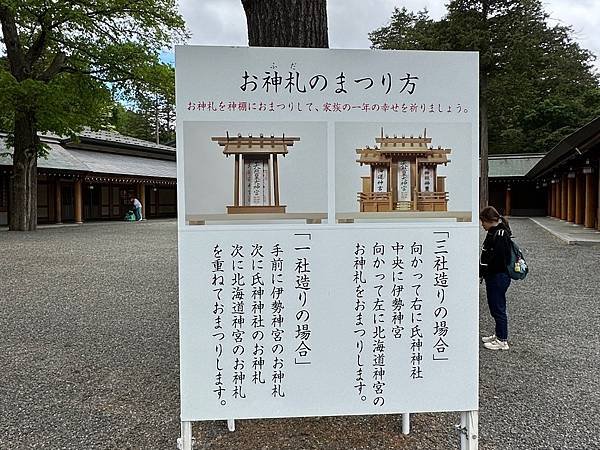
{"type": "Point", "coordinates": [549, 199]}
{"type": "Point", "coordinates": [557, 198]}
{"type": "Point", "coordinates": [393, 183]}
{"type": "Point", "coordinates": [78, 187]}
{"type": "Point", "coordinates": [507, 200]}
{"type": "Point", "coordinates": [590, 201]}
{"type": "Point", "coordinates": [597, 178]}
{"type": "Point", "coordinates": [141, 188]}
{"type": "Point", "coordinates": [551, 206]}
{"type": "Point", "coordinates": [571, 197]}
{"type": "Point", "coordinates": [563, 198]}
{"type": "Point", "coordinates": [57, 201]}
{"type": "Point", "coordinates": [553, 194]}
{"type": "Point", "coordinates": [579, 198]}
{"type": "Point", "coordinates": [236, 182]}
{"type": "Point", "coordinates": [276, 179]}
{"type": "Point", "coordinates": [416, 186]}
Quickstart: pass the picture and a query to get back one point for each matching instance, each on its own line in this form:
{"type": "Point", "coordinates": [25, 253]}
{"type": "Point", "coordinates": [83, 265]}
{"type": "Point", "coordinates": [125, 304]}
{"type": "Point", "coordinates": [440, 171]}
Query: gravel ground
{"type": "Point", "coordinates": [89, 353]}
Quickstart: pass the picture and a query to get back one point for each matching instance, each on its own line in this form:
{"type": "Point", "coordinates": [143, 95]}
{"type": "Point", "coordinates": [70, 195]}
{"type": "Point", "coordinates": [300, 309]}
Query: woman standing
{"type": "Point", "coordinates": [495, 255]}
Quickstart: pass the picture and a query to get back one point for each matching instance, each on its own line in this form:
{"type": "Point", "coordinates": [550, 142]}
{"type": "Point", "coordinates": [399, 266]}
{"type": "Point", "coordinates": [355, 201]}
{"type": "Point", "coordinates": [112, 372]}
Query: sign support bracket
{"type": "Point", "coordinates": [231, 424]}
{"type": "Point", "coordinates": [468, 429]}
{"type": "Point", "coordinates": [405, 423]}
{"type": "Point", "coordinates": [186, 441]}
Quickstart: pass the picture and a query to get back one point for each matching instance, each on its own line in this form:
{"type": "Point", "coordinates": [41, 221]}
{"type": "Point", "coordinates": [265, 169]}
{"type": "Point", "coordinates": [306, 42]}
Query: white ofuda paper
{"type": "Point", "coordinates": [285, 319]}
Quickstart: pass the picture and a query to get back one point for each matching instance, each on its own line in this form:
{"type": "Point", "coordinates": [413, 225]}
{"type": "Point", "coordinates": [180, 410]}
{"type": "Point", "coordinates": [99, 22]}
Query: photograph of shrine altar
{"type": "Point", "coordinates": [248, 171]}
{"type": "Point", "coordinates": [403, 174]}
{"type": "Point", "coordinates": [256, 158]}
{"type": "Point", "coordinates": [404, 170]}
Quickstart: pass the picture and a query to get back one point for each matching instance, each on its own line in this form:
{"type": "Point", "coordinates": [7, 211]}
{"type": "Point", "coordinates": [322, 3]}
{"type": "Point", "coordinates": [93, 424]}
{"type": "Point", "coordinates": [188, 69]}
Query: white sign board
{"type": "Point", "coordinates": [284, 318]}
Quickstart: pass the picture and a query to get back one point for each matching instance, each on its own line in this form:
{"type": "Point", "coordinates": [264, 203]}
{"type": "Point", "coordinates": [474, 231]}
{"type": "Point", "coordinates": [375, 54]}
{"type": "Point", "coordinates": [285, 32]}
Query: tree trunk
{"type": "Point", "coordinates": [483, 142]}
{"type": "Point", "coordinates": [286, 23]}
{"type": "Point", "coordinates": [156, 125]}
{"type": "Point", "coordinates": [23, 193]}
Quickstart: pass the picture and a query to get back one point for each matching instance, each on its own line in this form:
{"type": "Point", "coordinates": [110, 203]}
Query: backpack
{"type": "Point", "coordinates": [517, 267]}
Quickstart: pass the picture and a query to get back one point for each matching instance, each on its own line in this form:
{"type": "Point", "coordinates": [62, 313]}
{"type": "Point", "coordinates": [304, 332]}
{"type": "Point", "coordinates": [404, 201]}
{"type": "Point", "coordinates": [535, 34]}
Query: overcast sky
{"type": "Point", "coordinates": [222, 22]}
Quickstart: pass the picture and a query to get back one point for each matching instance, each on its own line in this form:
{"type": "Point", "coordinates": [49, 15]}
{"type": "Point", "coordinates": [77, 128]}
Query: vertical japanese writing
{"type": "Point", "coordinates": [404, 181]}
{"type": "Point", "coordinates": [378, 324]}
{"type": "Point", "coordinates": [359, 308]}
{"type": "Point", "coordinates": [426, 179]}
{"type": "Point", "coordinates": [302, 286]}
{"type": "Point", "coordinates": [258, 306]}
{"type": "Point", "coordinates": [380, 184]}
{"type": "Point", "coordinates": [277, 291]}
{"type": "Point", "coordinates": [440, 284]}
{"type": "Point", "coordinates": [416, 334]}
{"type": "Point", "coordinates": [238, 320]}
{"type": "Point", "coordinates": [217, 283]}
{"type": "Point", "coordinates": [397, 291]}
{"type": "Point", "coordinates": [256, 182]}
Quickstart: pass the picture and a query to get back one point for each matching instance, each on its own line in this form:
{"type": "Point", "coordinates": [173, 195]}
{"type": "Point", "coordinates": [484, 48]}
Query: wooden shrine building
{"type": "Point", "coordinates": [256, 171]}
{"type": "Point", "coordinates": [568, 176]}
{"type": "Point", "coordinates": [510, 191]}
{"type": "Point", "coordinates": [93, 178]}
{"type": "Point", "coordinates": [404, 175]}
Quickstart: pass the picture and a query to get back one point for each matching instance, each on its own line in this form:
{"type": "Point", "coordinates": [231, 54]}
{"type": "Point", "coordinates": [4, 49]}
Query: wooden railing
{"type": "Point", "coordinates": [374, 196]}
{"type": "Point", "coordinates": [432, 196]}
{"type": "Point", "coordinates": [432, 201]}
{"type": "Point", "coordinates": [382, 201]}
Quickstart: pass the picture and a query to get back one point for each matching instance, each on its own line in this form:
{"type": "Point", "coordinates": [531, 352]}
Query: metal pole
{"type": "Point", "coordinates": [231, 424]}
{"type": "Point", "coordinates": [186, 441]}
{"type": "Point", "coordinates": [469, 435]}
{"type": "Point", "coordinates": [405, 423]}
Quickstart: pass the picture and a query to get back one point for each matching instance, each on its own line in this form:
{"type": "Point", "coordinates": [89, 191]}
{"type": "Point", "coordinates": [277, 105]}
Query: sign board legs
{"type": "Point", "coordinates": [469, 435]}
{"type": "Point", "coordinates": [405, 423]}
{"type": "Point", "coordinates": [231, 424]}
{"type": "Point", "coordinates": [186, 441]}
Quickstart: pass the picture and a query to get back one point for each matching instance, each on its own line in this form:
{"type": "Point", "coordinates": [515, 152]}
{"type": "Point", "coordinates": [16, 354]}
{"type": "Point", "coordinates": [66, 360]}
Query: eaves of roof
{"type": "Point", "coordinates": [572, 146]}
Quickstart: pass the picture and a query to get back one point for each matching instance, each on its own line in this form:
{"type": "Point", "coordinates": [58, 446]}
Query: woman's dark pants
{"type": "Point", "coordinates": [496, 286]}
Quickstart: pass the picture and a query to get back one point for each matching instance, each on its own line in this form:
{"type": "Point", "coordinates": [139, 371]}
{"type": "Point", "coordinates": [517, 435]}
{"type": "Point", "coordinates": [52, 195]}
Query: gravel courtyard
{"type": "Point", "coordinates": [89, 353]}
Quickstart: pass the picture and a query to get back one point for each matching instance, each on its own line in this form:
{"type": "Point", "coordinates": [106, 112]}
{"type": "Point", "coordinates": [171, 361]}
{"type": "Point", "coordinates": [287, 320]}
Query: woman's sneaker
{"type": "Point", "coordinates": [496, 345]}
{"type": "Point", "coordinates": [486, 339]}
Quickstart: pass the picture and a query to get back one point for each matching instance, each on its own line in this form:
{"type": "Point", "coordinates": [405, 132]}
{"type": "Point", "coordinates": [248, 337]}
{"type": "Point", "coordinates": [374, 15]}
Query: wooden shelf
{"type": "Point", "coordinates": [458, 216]}
{"type": "Point", "coordinates": [256, 209]}
{"type": "Point", "coordinates": [202, 219]}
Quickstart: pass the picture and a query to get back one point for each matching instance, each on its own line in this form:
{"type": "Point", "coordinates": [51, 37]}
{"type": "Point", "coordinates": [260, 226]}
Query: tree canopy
{"type": "Point", "coordinates": [149, 111]}
{"type": "Point", "coordinates": [63, 59]}
{"type": "Point", "coordinates": [539, 83]}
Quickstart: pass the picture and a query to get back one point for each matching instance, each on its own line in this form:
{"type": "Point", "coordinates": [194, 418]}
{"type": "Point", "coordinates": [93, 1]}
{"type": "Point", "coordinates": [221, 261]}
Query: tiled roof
{"type": "Point", "coordinates": [512, 165]}
{"type": "Point", "coordinates": [100, 162]}
{"type": "Point", "coordinates": [62, 158]}
{"type": "Point", "coordinates": [572, 148]}
{"type": "Point", "coordinates": [111, 137]}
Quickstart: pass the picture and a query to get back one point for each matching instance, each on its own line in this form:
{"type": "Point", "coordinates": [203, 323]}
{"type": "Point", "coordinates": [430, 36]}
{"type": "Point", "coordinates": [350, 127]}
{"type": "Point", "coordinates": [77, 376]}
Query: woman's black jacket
{"type": "Point", "coordinates": [495, 252]}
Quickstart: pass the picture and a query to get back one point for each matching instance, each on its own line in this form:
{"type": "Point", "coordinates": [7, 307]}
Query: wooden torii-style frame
{"type": "Point", "coordinates": [403, 175]}
{"type": "Point", "coordinates": [260, 171]}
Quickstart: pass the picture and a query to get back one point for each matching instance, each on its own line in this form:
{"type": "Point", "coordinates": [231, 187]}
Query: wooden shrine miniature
{"type": "Point", "coordinates": [256, 157]}
{"type": "Point", "coordinates": [403, 175]}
